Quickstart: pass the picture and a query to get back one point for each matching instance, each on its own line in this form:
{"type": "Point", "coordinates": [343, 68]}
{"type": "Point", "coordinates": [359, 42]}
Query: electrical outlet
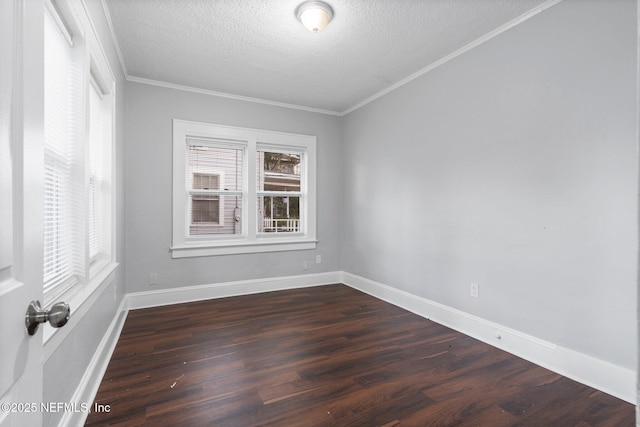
{"type": "Point", "coordinates": [318, 259]}
{"type": "Point", "coordinates": [474, 290]}
{"type": "Point", "coordinates": [305, 265]}
{"type": "Point", "coordinates": [153, 278]}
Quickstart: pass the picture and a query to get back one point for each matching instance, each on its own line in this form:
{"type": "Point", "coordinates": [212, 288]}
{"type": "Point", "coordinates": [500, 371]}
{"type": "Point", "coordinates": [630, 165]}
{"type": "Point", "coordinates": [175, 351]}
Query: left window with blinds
{"type": "Point", "coordinates": [78, 158]}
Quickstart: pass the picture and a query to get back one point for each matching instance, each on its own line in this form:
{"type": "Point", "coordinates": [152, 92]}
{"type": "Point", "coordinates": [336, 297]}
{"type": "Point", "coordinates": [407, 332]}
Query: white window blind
{"type": "Point", "coordinates": [63, 165]}
{"type": "Point", "coordinates": [100, 137]}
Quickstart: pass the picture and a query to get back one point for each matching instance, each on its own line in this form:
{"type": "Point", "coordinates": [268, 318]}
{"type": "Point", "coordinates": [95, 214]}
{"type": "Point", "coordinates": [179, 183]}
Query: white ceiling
{"type": "Point", "coordinates": [258, 49]}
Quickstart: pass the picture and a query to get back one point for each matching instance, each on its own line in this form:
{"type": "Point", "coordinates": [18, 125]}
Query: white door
{"type": "Point", "coordinates": [21, 247]}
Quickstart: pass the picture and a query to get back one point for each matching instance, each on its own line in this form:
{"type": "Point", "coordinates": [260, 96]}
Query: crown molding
{"type": "Point", "coordinates": [114, 38]}
{"type": "Point", "coordinates": [229, 95]}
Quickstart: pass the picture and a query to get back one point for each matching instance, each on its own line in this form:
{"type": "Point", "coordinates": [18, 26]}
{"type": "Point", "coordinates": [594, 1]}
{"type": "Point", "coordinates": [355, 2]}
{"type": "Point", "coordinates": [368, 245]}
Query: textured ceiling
{"type": "Point", "coordinates": [258, 49]}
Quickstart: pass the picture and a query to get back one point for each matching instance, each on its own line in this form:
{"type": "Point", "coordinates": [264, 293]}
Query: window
{"type": "Point", "coordinates": [78, 161]}
{"type": "Point", "coordinates": [100, 162]}
{"type": "Point", "coordinates": [238, 190]}
{"type": "Point", "coordinates": [63, 180]}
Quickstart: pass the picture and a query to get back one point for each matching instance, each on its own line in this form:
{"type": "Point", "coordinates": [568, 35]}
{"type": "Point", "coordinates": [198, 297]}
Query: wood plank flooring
{"type": "Point", "coordinates": [328, 356]}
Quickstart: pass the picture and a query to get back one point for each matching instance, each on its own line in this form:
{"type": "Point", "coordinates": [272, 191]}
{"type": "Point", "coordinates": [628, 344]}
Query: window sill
{"type": "Point", "coordinates": [79, 298]}
{"type": "Point", "coordinates": [241, 247]}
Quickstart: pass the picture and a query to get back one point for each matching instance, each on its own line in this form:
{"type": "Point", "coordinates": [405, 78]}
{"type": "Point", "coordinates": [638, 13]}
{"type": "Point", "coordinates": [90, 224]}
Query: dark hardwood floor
{"type": "Point", "coordinates": [328, 356]}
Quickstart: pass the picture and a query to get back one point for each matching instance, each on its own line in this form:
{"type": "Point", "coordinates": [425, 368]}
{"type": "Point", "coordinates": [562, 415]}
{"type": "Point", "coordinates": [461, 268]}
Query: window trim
{"type": "Point", "coordinates": [250, 241]}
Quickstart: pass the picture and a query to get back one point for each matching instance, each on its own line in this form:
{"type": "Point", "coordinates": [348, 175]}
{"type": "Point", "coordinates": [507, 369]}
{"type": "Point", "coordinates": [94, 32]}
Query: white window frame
{"type": "Point", "coordinates": [98, 72]}
{"type": "Point", "coordinates": [77, 27]}
{"type": "Point", "coordinates": [249, 241]}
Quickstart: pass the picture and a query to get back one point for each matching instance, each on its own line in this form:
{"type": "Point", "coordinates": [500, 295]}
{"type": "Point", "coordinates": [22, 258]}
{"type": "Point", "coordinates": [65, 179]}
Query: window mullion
{"type": "Point", "coordinates": [251, 218]}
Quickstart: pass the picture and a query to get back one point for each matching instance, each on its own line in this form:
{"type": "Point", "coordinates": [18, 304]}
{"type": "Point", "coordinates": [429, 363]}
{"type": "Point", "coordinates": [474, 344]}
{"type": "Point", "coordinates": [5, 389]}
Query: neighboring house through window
{"type": "Point", "coordinates": [205, 209]}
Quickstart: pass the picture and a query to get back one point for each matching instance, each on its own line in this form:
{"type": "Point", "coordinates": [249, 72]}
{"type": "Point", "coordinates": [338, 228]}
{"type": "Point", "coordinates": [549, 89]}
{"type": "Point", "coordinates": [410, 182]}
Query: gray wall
{"type": "Point", "coordinates": [150, 111]}
{"type": "Point", "coordinates": [513, 166]}
{"type": "Point", "coordinates": [64, 368]}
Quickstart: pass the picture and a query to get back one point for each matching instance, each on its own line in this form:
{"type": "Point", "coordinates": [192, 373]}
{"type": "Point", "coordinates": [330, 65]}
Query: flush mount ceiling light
{"type": "Point", "coordinates": [314, 15]}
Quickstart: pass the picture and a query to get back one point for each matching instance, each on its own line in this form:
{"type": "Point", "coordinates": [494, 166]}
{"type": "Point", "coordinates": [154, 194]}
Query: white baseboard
{"type": "Point", "coordinates": [602, 375]}
{"type": "Point", "coordinates": [92, 377]}
{"type": "Point", "coordinates": [228, 289]}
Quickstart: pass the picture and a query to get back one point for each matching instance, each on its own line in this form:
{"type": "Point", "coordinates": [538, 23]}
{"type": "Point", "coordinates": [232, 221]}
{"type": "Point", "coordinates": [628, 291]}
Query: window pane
{"type": "Point", "coordinates": [214, 168]}
{"type": "Point", "coordinates": [278, 214]}
{"type": "Point", "coordinates": [278, 171]}
{"type": "Point", "coordinates": [205, 210]}
{"type": "Point", "coordinates": [100, 137]}
{"type": "Point", "coordinates": [214, 215]}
